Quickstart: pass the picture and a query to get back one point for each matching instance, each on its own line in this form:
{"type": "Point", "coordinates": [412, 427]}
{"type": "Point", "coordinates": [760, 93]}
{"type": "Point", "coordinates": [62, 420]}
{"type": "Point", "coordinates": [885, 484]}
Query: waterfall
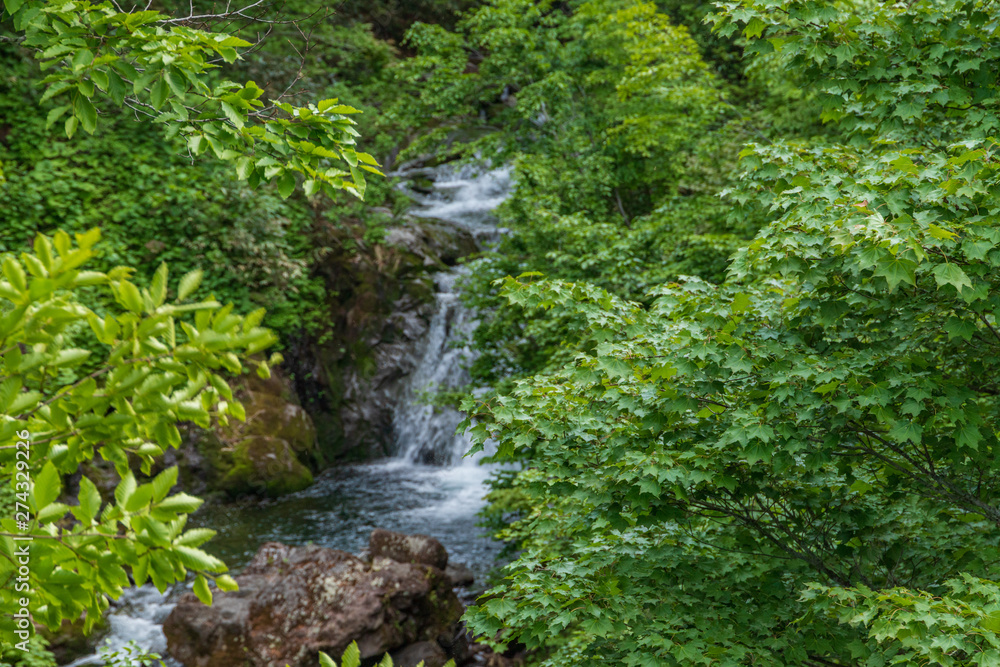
{"type": "Point", "coordinates": [345, 504]}
{"type": "Point", "coordinates": [463, 196]}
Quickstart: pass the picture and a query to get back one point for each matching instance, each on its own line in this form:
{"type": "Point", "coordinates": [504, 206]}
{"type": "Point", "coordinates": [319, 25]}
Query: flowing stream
{"type": "Point", "coordinates": [428, 487]}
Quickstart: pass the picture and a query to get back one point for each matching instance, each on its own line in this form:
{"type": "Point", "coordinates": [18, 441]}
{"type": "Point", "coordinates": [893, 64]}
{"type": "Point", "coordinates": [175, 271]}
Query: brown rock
{"type": "Point", "coordinates": [296, 601]}
{"type": "Point", "coordinates": [428, 653]}
{"type": "Point", "coordinates": [408, 548]}
{"type": "Point", "coordinates": [460, 574]}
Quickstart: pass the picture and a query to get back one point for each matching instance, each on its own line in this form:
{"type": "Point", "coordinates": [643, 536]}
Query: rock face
{"type": "Point", "coordinates": [296, 601]}
{"type": "Point", "coordinates": [418, 549]}
{"type": "Point", "coordinates": [383, 300]}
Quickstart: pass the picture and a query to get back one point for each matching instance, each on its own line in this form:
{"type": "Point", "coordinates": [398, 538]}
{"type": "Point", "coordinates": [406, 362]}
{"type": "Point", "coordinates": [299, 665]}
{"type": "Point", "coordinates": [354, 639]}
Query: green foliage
{"type": "Point", "coordinates": [614, 126]}
{"type": "Point", "coordinates": [352, 658]}
{"type": "Point", "coordinates": [958, 627]}
{"type": "Point", "coordinates": [37, 654]}
{"type": "Point", "coordinates": [129, 655]}
{"type": "Point", "coordinates": [717, 471]}
{"type": "Point", "coordinates": [75, 384]}
{"type": "Point", "coordinates": [160, 68]}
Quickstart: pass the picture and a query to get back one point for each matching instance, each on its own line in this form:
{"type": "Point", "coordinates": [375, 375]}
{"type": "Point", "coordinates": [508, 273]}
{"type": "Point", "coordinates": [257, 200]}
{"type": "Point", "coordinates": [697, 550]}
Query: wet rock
{"type": "Point", "coordinates": [296, 601]}
{"type": "Point", "coordinates": [434, 242]}
{"type": "Point", "coordinates": [353, 380]}
{"type": "Point", "coordinates": [408, 548]}
{"type": "Point", "coordinates": [428, 653]}
{"type": "Point", "coordinates": [264, 464]}
{"type": "Point", "coordinates": [459, 574]}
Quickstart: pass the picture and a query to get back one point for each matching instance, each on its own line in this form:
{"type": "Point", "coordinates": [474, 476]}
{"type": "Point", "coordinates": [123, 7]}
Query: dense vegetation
{"type": "Point", "coordinates": [740, 341]}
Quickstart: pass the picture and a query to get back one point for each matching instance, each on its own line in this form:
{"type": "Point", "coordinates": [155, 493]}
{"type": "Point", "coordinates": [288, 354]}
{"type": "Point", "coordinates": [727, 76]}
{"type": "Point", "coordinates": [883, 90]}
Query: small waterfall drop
{"type": "Point", "coordinates": [427, 488]}
{"type": "Point", "coordinates": [464, 196]}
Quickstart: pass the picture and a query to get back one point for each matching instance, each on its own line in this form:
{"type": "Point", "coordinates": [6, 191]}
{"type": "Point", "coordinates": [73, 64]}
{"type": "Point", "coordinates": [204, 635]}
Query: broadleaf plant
{"type": "Point", "coordinates": [162, 69]}
{"type": "Point", "coordinates": [76, 384]}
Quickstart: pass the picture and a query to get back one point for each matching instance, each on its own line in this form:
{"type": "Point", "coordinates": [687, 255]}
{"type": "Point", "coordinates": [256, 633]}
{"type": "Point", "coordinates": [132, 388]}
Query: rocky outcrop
{"type": "Point", "coordinates": [296, 601]}
{"type": "Point", "coordinates": [381, 301]}
{"type": "Point", "coordinates": [419, 549]}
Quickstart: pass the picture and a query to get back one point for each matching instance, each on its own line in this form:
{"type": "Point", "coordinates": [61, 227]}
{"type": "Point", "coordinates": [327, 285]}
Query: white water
{"type": "Point", "coordinates": [464, 196]}
{"type": "Point", "coordinates": [428, 488]}
{"type": "Point", "coordinates": [137, 616]}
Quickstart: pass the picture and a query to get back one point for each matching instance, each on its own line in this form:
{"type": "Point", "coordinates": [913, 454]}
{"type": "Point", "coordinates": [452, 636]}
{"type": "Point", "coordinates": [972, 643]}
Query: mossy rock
{"type": "Point", "coordinates": [273, 416]}
{"type": "Point", "coordinates": [265, 464]}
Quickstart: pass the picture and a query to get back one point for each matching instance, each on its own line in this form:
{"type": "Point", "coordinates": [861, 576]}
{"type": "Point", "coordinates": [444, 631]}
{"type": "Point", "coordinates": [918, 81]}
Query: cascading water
{"type": "Point", "coordinates": [428, 487]}
{"type": "Point", "coordinates": [424, 433]}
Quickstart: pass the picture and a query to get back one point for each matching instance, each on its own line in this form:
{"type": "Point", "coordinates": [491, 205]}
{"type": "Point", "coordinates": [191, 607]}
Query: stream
{"type": "Point", "coordinates": [428, 487]}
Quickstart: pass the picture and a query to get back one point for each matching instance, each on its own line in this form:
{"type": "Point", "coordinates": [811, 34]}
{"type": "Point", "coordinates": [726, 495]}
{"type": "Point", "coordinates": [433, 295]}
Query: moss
{"type": "Point", "coordinates": [274, 416]}
{"type": "Point", "coordinates": [265, 464]}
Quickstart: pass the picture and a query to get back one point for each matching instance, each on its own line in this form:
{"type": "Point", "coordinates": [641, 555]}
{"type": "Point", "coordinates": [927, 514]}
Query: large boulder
{"type": "Point", "coordinates": [273, 416]}
{"type": "Point", "coordinates": [296, 601]}
{"type": "Point", "coordinates": [265, 465]}
{"type": "Point", "coordinates": [404, 548]}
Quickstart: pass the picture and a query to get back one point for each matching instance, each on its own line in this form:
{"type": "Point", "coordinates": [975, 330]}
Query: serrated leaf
{"type": "Point", "coordinates": [234, 116]}
{"type": "Point", "coordinates": [196, 559]}
{"type": "Point", "coordinates": [48, 485]}
{"type": "Point", "coordinates": [226, 583]}
{"type": "Point", "coordinates": [189, 283]}
{"type": "Point", "coordinates": [126, 487]}
{"type": "Point", "coordinates": [202, 591]}
{"type": "Point", "coordinates": [163, 482]}
{"type": "Point", "coordinates": [897, 270]}
{"type": "Point", "coordinates": [951, 274]}
{"type": "Point", "coordinates": [90, 500]}
{"type": "Point", "coordinates": [351, 657]}
{"type": "Point", "coordinates": [158, 286]}
{"type": "Point", "coordinates": [181, 503]}
{"type": "Point", "coordinates": [286, 184]}
{"type": "Point", "coordinates": [139, 498]}
{"type": "Point", "coordinates": [158, 95]}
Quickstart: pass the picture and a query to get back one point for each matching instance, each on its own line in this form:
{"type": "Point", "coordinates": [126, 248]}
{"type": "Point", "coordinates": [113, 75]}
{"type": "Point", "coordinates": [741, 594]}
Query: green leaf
{"type": "Point", "coordinates": [163, 482]}
{"type": "Point", "coordinates": [189, 283]}
{"type": "Point", "coordinates": [55, 114]}
{"type": "Point", "coordinates": [48, 485]}
{"type": "Point", "coordinates": [181, 503]}
{"type": "Point", "coordinates": [351, 657]}
{"type": "Point", "coordinates": [325, 660]}
{"type": "Point", "coordinates": [897, 270]}
{"type": "Point", "coordinates": [614, 367]}
{"type": "Point", "coordinates": [90, 500]}
{"type": "Point", "coordinates": [741, 303]}
{"type": "Point", "coordinates": [139, 499]}
{"type": "Point", "coordinates": [158, 287]}
{"type": "Point", "coordinates": [196, 559]}
{"type": "Point", "coordinates": [286, 184]}
{"type": "Point", "coordinates": [158, 95]}
{"type": "Point", "coordinates": [195, 537]}
{"type": "Point", "coordinates": [234, 116]}
{"type": "Point", "coordinates": [202, 591]}
{"type": "Point", "coordinates": [244, 167]}
{"type": "Point", "coordinates": [87, 114]}
{"type": "Point", "coordinates": [951, 274]}
{"type": "Point", "coordinates": [130, 296]}
{"type": "Point", "coordinates": [226, 583]}
{"type": "Point", "coordinates": [126, 487]}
